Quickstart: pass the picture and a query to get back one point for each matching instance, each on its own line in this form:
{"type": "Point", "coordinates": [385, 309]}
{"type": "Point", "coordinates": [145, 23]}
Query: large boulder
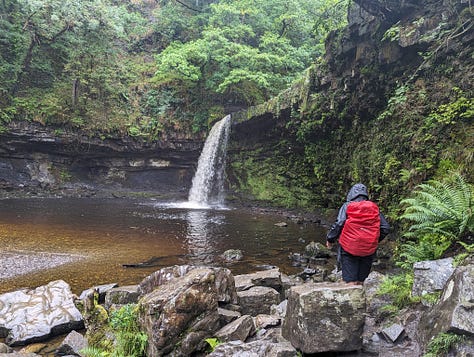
{"type": "Point", "coordinates": [179, 314]}
{"type": "Point", "coordinates": [270, 278]}
{"type": "Point", "coordinates": [36, 314]}
{"type": "Point", "coordinates": [121, 296]}
{"type": "Point", "coordinates": [224, 282]}
{"type": "Point", "coordinates": [325, 317]}
{"type": "Point", "coordinates": [258, 300]}
{"type": "Point", "coordinates": [455, 310]}
{"type": "Point", "coordinates": [431, 275]}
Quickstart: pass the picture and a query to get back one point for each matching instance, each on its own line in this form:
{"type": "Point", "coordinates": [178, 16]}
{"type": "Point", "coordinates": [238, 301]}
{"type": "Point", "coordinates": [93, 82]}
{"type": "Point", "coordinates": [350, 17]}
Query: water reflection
{"type": "Point", "coordinates": [198, 240]}
{"type": "Point", "coordinates": [111, 233]}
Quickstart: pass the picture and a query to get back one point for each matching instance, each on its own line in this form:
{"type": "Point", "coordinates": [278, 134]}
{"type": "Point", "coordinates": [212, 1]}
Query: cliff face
{"type": "Point", "coordinates": [35, 158]}
{"type": "Point", "coordinates": [390, 105]}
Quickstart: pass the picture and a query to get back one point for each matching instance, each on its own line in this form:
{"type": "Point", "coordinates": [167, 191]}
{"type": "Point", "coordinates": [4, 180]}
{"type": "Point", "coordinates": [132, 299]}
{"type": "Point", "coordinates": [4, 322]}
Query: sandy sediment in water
{"type": "Point", "coordinates": [20, 262]}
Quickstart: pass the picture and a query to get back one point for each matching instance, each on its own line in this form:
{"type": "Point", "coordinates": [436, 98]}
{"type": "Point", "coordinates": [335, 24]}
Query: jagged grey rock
{"type": "Point", "coordinates": [34, 314]}
{"type": "Point", "coordinates": [5, 348]}
{"type": "Point", "coordinates": [431, 275]}
{"type": "Point", "coordinates": [374, 301]}
{"type": "Point", "coordinates": [254, 349]}
{"type": "Point", "coordinates": [455, 310]}
{"type": "Point", "coordinates": [238, 329]}
{"type": "Point", "coordinates": [258, 300]}
{"type": "Point", "coordinates": [231, 255]}
{"type": "Point", "coordinates": [317, 250]}
{"type": "Point", "coordinates": [325, 317]}
{"type": "Point", "coordinates": [280, 309]}
{"type": "Point", "coordinates": [393, 332]}
{"type": "Point", "coordinates": [121, 296]}
{"type": "Point", "coordinates": [224, 283]}
{"type": "Point", "coordinates": [262, 321]}
{"type": "Point", "coordinates": [269, 278]}
{"type": "Point", "coordinates": [101, 289]}
{"type": "Point", "coordinates": [72, 344]}
{"type": "Point", "coordinates": [227, 316]}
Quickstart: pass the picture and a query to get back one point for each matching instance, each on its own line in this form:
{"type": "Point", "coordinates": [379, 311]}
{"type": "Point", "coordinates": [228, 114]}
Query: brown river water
{"type": "Point", "coordinates": [87, 241]}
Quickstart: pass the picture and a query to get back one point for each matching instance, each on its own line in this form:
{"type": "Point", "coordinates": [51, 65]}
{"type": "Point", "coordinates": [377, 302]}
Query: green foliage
{"type": "Point", "coordinates": [395, 102]}
{"type": "Point", "coordinates": [439, 214]}
{"type": "Point", "coordinates": [441, 209]}
{"type": "Point", "coordinates": [398, 287]}
{"type": "Point", "coordinates": [273, 179]}
{"type": "Point", "coordinates": [442, 343]}
{"type": "Point", "coordinates": [426, 248]}
{"type": "Point", "coordinates": [393, 33]}
{"type": "Point", "coordinates": [460, 109]}
{"type": "Point", "coordinates": [213, 343]}
{"type": "Point", "coordinates": [130, 341]}
{"type": "Point", "coordinates": [461, 257]}
{"type": "Point", "coordinates": [88, 64]}
{"type": "Point", "coordinates": [93, 352]}
{"type": "Point", "coordinates": [248, 50]}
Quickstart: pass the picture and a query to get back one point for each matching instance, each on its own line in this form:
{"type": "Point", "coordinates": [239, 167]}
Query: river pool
{"type": "Point", "coordinates": [87, 241]}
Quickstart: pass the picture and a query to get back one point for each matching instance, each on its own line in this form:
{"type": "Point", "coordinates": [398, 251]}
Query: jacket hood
{"type": "Point", "coordinates": [357, 190]}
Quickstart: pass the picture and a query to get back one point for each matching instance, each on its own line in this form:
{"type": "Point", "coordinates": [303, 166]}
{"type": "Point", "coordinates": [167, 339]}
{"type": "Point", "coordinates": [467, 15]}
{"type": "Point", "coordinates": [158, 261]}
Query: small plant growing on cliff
{"type": "Point", "coordinates": [130, 341]}
{"type": "Point", "coordinates": [442, 343]}
{"type": "Point", "coordinates": [213, 343]}
{"type": "Point", "coordinates": [393, 33]}
{"type": "Point", "coordinates": [93, 352]}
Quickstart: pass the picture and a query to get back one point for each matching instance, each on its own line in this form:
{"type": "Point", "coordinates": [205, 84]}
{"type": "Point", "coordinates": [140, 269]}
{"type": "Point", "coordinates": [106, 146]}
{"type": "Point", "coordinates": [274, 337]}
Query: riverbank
{"type": "Point", "coordinates": [265, 313]}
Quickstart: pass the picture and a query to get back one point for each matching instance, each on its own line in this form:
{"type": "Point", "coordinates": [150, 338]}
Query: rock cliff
{"type": "Point", "coordinates": [390, 105]}
{"type": "Point", "coordinates": [35, 158]}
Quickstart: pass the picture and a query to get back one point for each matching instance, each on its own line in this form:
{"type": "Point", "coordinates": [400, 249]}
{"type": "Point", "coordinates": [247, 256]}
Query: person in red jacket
{"type": "Point", "coordinates": [359, 227]}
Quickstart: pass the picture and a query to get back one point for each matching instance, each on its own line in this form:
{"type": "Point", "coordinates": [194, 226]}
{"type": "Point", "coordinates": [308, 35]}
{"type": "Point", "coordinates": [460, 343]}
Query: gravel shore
{"type": "Point", "coordinates": [19, 262]}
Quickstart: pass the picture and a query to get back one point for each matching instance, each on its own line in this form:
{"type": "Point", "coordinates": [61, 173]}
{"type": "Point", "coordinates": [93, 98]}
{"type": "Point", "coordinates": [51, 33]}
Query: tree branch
{"type": "Point", "coordinates": [187, 6]}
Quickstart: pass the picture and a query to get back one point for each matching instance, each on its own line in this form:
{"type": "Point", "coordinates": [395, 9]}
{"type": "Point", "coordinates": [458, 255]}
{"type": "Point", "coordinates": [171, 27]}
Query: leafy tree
{"type": "Point", "coordinates": [247, 51]}
{"type": "Point", "coordinates": [89, 63]}
{"type": "Point", "coordinates": [64, 48]}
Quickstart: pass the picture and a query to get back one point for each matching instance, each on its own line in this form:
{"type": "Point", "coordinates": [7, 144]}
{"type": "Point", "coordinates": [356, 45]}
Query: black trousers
{"type": "Point", "coordinates": [354, 268]}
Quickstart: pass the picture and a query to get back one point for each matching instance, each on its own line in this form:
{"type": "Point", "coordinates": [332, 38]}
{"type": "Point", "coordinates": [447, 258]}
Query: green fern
{"type": "Point", "coordinates": [398, 287]}
{"type": "Point", "coordinates": [424, 249]}
{"type": "Point", "coordinates": [442, 343]}
{"type": "Point", "coordinates": [441, 209]}
{"type": "Point", "coordinates": [93, 352]}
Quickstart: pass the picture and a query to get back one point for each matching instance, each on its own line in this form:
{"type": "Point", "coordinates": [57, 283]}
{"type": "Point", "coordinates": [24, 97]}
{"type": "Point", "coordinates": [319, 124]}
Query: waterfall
{"type": "Point", "coordinates": [208, 182]}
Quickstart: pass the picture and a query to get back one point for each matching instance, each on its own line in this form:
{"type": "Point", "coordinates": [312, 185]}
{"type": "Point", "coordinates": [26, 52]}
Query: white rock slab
{"type": "Point", "coordinates": [32, 315]}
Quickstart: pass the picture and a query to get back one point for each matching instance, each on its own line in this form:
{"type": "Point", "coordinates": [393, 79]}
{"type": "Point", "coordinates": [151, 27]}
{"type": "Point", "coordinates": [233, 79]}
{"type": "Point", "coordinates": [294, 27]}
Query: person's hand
{"type": "Point", "coordinates": [329, 244]}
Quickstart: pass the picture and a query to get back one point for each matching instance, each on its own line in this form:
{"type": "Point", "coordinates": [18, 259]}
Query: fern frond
{"type": "Point", "coordinates": [440, 209]}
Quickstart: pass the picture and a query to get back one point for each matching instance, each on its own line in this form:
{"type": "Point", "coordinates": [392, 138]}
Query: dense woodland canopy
{"type": "Point", "coordinates": [146, 67]}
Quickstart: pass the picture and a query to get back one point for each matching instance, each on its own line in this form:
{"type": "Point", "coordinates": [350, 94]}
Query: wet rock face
{"type": "Point", "coordinates": [388, 9]}
{"type": "Point", "coordinates": [35, 157]}
{"type": "Point", "coordinates": [183, 310]}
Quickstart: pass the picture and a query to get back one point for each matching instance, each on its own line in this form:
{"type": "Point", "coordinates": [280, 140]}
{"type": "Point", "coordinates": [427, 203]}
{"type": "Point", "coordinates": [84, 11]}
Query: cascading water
{"type": "Point", "coordinates": [208, 182]}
